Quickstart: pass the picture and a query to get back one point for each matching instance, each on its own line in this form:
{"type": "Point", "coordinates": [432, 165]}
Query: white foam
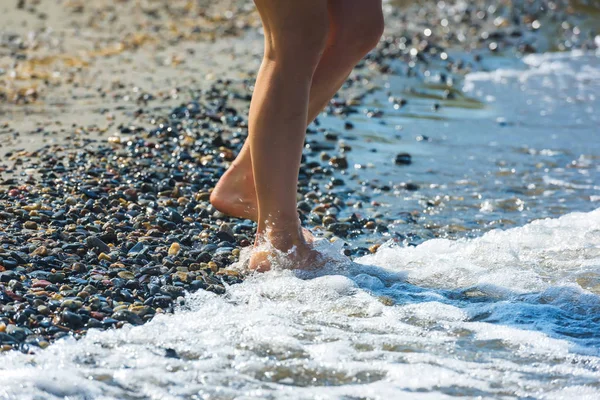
{"type": "Point", "coordinates": [499, 314]}
{"type": "Point", "coordinates": [563, 67]}
{"type": "Point", "coordinates": [523, 259]}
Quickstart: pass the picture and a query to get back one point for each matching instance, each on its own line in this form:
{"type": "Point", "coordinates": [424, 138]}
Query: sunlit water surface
{"type": "Point", "coordinates": [518, 143]}
{"type": "Point", "coordinates": [508, 314]}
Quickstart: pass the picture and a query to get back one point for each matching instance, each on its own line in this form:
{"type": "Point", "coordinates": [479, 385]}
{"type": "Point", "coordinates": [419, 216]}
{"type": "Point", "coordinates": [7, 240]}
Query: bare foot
{"type": "Point", "coordinates": [287, 252]}
{"type": "Point", "coordinates": [235, 194]}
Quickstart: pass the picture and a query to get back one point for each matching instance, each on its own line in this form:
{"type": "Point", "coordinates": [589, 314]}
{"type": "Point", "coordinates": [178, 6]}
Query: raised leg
{"type": "Point", "coordinates": [355, 28]}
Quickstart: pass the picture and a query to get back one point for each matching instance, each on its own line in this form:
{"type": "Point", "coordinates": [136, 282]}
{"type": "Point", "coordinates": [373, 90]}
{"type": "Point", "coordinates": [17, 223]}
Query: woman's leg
{"type": "Point", "coordinates": [355, 28]}
{"type": "Point", "coordinates": [295, 38]}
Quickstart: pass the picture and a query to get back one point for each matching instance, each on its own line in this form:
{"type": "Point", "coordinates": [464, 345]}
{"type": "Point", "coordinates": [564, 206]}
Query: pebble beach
{"type": "Point", "coordinates": [117, 119]}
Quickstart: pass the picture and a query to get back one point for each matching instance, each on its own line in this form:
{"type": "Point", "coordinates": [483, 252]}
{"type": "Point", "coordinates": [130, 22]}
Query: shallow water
{"type": "Point", "coordinates": [518, 143]}
{"type": "Point", "coordinates": [510, 313]}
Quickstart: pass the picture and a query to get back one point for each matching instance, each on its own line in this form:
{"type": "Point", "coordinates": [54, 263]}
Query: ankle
{"type": "Point", "coordinates": [282, 238]}
{"type": "Point", "coordinates": [240, 169]}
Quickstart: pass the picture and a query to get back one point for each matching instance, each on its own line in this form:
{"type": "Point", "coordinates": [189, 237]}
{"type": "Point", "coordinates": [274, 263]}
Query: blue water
{"type": "Point", "coordinates": [512, 145]}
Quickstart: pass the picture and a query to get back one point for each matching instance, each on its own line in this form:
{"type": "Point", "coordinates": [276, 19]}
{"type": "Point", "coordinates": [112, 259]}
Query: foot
{"type": "Point", "coordinates": [235, 194]}
{"type": "Point", "coordinates": [287, 251]}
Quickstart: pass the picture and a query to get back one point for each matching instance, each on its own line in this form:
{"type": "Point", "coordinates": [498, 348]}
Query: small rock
{"type": "Point", "coordinates": [340, 228]}
{"type": "Point", "coordinates": [7, 276]}
{"type": "Point", "coordinates": [331, 136]}
{"type": "Point", "coordinates": [174, 249]}
{"type": "Point", "coordinates": [43, 310]}
{"type": "Point", "coordinates": [30, 225]}
{"type": "Point", "coordinates": [7, 339]}
{"type": "Point", "coordinates": [171, 353]}
{"type": "Point", "coordinates": [104, 257]}
{"type": "Point", "coordinates": [225, 237]}
{"type": "Point", "coordinates": [130, 194]}
{"type": "Point", "coordinates": [162, 301]}
{"type": "Point", "coordinates": [138, 249]}
{"type": "Point", "coordinates": [142, 311]}
{"type": "Point", "coordinates": [72, 319]}
{"type": "Point", "coordinates": [197, 285]}
{"type": "Point", "coordinates": [9, 264]}
{"type": "Point", "coordinates": [328, 220]}
{"type": "Point", "coordinates": [339, 162]}
{"type": "Point", "coordinates": [94, 323]}
{"type": "Point", "coordinates": [373, 249]}
{"type": "Point", "coordinates": [72, 304]}
{"type": "Point", "coordinates": [128, 316]}
{"type": "Point", "coordinates": [410, 186]}
{"type": "Point", "coordinates": [41, 283]}
{"type": "Point", "coordinates": [403, 159]}
{"type": "Point", "coordinates": [94, 242]}
{"type": "Point", "coordinates": [125, 275]}
{"type": "Point", "coordinates": [41, 251]}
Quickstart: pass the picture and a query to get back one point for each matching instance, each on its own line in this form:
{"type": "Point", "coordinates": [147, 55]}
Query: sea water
{"type": "Point", "coordinates": [484, 312]}
{"type": "Point", "coordinates": [519, 142]}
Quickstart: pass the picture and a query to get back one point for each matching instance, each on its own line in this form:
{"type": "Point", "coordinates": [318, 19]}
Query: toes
{"type": "Point", "coordinates": [260, 262]}
{"type": "Point", "coordinates": [308, 236]}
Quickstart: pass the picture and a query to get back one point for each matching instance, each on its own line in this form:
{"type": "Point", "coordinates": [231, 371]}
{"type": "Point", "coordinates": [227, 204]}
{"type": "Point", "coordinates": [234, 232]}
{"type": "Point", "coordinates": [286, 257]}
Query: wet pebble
{"type": "Point", "coordinates": [96, 243]}
{"type": "Point", "coordinates": [403, 159]}
{"type": "Point", "coordinates": [30, 225]}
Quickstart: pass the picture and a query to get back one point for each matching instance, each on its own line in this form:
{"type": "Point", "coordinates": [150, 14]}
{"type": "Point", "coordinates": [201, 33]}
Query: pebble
{"type": "Point", "coordinates": [72, 319]}
{"type": "Point", "coordinates": [174, 249]}
{"type": "Point", "coordinates": [339, 162]}
{"type": "Point", "coordinates": [370, 225]}
{"type": "Point", "coordinates": [124, 315]}
{"type": "Point", "coordinates": [125, 275]}
{"type": "Point", "coordinates": [339, 229]}
{"type": "Point", "coordinates": [9, 264]}
{"type": "Point", "coordinates": [72, 304]}
{"type": "Point", "coordinates": [104, 257]}
{"type": "Point", "coordinates": [373, 249]}
{"type": "Point", "coordinates": [30, 225]}
{"type": "Point", "coordinates": [96, 243]}
{"type": "Point", "coordinates": [410, 186]}
{"type": "Point", "coordinates": [41, 251]}
{"type": "Point", "coordinates": [44, 310]}
{"type": "Point", "coordinates": [403, 159]}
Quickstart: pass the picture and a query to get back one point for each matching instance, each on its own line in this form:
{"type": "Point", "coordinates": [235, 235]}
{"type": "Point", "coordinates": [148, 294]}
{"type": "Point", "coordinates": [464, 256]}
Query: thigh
{"type": "Point", "coordinates": [355, 16]}
{"type": "Point", "coordinates": [290, 23]}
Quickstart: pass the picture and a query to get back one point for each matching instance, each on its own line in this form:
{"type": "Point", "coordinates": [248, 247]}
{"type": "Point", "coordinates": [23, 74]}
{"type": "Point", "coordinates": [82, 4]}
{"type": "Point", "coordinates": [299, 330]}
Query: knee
{"type": "Point", "coordinates": [361, 31]}
{"type": "Point", "coordinates": [299, 44]}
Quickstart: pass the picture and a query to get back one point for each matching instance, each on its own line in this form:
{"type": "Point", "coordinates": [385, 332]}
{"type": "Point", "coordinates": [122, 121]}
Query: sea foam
{"type": "Point", "coordinates": [513, 312]}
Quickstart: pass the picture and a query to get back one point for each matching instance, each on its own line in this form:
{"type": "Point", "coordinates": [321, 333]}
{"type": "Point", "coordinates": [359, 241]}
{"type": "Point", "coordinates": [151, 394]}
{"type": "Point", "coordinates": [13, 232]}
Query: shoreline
{"type": "Point", "coordinates": [110, 224]}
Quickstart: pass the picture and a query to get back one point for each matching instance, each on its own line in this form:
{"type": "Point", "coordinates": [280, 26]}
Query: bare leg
{"type": "Point", "coordinates": [355, 22]}
{"type": "Point", "coordinates": [295, 37]}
